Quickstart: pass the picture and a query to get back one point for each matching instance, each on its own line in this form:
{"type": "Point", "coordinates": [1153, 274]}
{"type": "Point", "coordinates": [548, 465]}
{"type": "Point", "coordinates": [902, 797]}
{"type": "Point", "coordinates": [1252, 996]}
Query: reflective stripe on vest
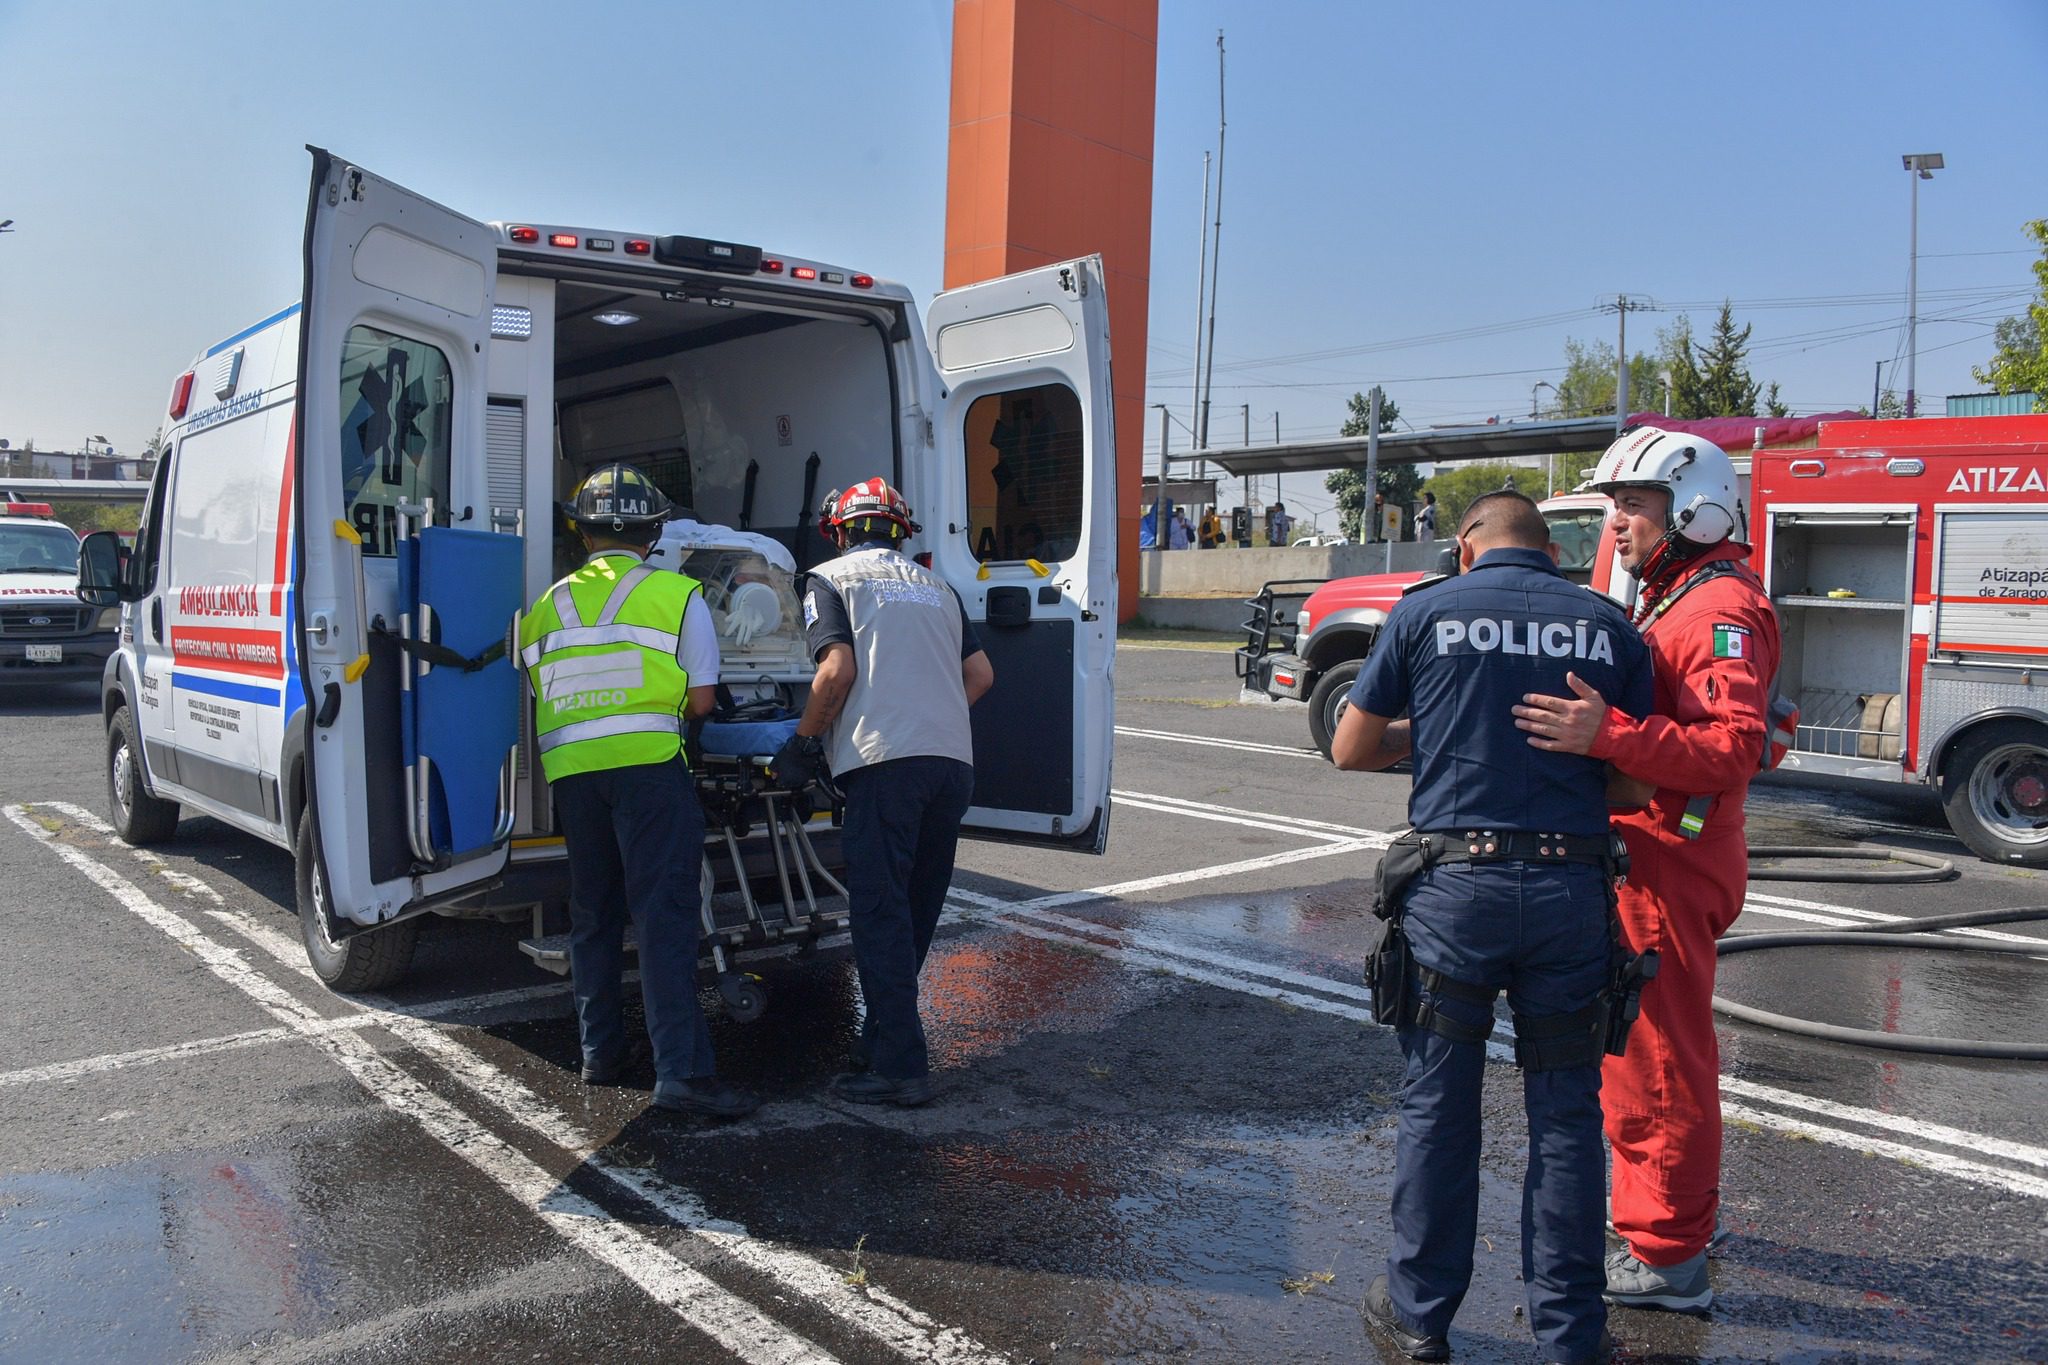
{"type": "Point", "coordinates": [609, 694]}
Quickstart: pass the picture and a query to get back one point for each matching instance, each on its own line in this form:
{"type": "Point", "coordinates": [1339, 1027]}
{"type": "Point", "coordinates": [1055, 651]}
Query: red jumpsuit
{"type": "Point", "coordinates": [1715, 651]}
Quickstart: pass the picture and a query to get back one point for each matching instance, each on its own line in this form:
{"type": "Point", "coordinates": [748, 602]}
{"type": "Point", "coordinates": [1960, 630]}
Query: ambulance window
{"type": "Point", "coordinates": [397, 404]}
{"type": "Point", "coordinates": [1024, 476]}
{"type": "Point", "coordinates": [149, 541]}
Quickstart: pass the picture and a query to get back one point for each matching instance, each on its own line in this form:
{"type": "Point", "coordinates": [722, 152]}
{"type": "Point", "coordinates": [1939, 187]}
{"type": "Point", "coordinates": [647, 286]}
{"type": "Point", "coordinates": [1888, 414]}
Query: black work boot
{"type": "Point", "coordinates": [1379, 1311]}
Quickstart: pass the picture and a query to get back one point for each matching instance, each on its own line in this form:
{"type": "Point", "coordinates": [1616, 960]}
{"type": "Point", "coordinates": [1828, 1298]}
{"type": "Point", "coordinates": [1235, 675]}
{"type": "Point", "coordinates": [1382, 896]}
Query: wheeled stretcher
{"type": "Point", "coordinates": [768, 892]}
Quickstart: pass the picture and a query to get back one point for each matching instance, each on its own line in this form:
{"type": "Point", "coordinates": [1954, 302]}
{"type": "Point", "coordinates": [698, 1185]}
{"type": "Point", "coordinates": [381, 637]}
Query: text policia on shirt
{"type": "Point", "coordinates": [1556, 639]}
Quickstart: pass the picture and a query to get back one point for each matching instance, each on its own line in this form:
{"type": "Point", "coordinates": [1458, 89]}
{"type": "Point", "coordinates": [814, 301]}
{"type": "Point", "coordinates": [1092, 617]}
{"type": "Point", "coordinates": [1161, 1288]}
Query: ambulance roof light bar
{"type": "Point", "coordinates": [28, 509]}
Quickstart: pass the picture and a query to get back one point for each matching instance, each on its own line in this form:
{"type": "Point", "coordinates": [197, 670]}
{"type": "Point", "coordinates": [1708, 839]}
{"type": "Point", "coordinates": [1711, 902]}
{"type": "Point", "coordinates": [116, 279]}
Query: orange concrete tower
{"type": "Point", "coordinates": [1051, 158]}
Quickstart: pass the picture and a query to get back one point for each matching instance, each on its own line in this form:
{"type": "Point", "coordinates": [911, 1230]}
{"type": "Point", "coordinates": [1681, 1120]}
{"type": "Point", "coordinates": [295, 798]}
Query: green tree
{"type": "Point", "coordinates": [154, 447]}
{"type": "Point", "coordinates": [1587, 389]}
{"type": "Point", "coordinates": [1773, 406]}
{"type": "Point", "coordinates": [2020, 364]}
{"type": "Point", "coordinates": [1676, 345]}
{"type": "Point", "coordinates": [1716, 381]}
{"type": "Point", "coordinates": [1889, 405]}
{"type": "Point", "coordinates": [97, 516]}
{"type": "Point", "coordinates": [1401, 483]}
{"type": "Point", "coordinates": [1457, 485]}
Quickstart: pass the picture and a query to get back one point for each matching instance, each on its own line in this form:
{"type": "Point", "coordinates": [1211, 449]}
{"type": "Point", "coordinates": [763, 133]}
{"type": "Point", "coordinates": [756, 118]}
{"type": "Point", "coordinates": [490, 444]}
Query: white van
{"type": "Point", "coordinates": [380, 464]}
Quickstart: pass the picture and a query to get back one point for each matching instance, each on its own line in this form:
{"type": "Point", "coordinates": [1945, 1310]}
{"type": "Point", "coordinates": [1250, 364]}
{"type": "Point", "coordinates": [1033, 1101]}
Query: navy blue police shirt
{"type": "Point", "coordinates": [1456, 658]}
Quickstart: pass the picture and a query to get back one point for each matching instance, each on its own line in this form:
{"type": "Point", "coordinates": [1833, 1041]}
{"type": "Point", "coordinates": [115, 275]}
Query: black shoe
{"type": "Point", "coordinates": [606, 1072]}
{"type": "Point", "coordinates": [706, 1095]}
{"type": "Point", "coordinates": [865, 1087]}
{"type": "Point", "coordinates": [1603, 1354]}
{"type": "Point", "coordinates": [1379, 1311]}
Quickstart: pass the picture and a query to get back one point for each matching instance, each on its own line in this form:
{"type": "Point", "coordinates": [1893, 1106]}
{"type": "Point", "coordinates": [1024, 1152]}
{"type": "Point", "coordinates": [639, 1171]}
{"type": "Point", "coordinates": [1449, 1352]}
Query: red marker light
{"type": "Point", "coordinates": [802, 272]}
{"type": "Point", "coordinates": [525, 236]}
{"type": "Point", "coordinates": [28, 509]}
{"type": "Point", "coordinates": [770, 266]}
{"type": "Point", "coordinates": [181, 395]}
{"type": "Point", "coordinates": [924, 558]}
{"type": "Point", "coordinates": [562, 239]}
{"type": "Point", "coordinates": [639, 246]}
{"type": "Point", "coordinates": [863, 281]}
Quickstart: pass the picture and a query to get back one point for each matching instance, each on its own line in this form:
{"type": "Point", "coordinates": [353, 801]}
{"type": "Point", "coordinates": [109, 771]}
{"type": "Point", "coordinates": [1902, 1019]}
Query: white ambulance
{"type": "Point", "coordinates": [46, 635]}
{"type": "Point", "coordinates": [359, 493]}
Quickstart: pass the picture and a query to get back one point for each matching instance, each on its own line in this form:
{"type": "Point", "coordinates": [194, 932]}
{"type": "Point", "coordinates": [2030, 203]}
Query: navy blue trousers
{"type": "Point", "coordinates": [902, 827]}
{"type": "Point", "coordinates": [636, 847]}
{"type": "Point", "coordinates": [1541, 933]}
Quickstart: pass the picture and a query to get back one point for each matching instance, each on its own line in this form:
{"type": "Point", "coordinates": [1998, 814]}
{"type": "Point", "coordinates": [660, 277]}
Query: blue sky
{"type": "Point", "coordinates": [1394, 172]}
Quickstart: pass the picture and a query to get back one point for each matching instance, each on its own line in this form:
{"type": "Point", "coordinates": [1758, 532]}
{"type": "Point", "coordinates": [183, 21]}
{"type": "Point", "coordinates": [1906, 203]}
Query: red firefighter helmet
{"type": "Point", "coordinates": [867, 503]}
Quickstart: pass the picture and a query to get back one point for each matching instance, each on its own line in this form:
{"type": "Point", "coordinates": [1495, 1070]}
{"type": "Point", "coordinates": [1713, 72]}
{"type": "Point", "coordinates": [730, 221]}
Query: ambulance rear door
{"type": "Point", "coordinates": [397, 316]}
{"type": "Point", "coordinates": [1025, 529]}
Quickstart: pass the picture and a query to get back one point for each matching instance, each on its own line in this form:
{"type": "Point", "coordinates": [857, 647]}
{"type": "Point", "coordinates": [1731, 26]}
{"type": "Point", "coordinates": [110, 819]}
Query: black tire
{"type": "Point", "coordinates": [1326, 705]}
{"type": "Point", "coordinates": [139, 818]}
{"type": "Point", "coordinates": [1995, 792]}
{"type": "Point", "coordinates": [368, 961]}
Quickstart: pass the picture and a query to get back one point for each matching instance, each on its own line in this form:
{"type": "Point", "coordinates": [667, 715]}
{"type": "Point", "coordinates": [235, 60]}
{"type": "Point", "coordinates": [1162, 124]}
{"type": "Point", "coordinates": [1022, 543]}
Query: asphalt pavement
{"type": "Point", "coordinates": [1164, 1128]}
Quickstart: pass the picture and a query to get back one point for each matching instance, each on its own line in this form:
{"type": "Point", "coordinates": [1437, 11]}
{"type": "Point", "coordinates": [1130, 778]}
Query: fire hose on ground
{"type": "Point", "coordinates": [1910, 933]}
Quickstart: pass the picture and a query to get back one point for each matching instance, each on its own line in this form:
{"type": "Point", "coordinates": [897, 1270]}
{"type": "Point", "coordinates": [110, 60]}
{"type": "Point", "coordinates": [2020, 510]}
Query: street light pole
{"type": "Point", "coordinates": [1919, 166]}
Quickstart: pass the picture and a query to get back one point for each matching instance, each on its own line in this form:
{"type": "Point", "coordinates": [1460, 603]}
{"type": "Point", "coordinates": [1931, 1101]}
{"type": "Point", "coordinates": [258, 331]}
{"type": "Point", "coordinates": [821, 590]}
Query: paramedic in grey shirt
{"type": "Point", "coordinates": [898, 667]}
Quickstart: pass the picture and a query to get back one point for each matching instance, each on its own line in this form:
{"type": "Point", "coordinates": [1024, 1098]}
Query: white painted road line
{"type": "Point", "coordinates": [82, 1067]}
{"type": "Point", "coordinates": [870, 1309]}
{"type": "Point", "coordinates": [1210, 741]}
{"type": "Point", "coordinates": [727, 1319]}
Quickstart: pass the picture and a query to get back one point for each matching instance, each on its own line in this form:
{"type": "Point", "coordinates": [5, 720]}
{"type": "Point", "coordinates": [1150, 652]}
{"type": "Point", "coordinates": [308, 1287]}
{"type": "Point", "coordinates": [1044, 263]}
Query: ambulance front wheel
{"type": "Point", "coordinates": [361, 962]}
{"type": "Point", "coordinates": [1996, 792]}
{"type": "Point", "coordinates": [139, 818]}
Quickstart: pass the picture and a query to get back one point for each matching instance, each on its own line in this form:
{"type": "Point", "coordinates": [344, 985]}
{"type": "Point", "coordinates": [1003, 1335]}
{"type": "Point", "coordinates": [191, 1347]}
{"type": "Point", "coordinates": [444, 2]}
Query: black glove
{"type": "Point", "coordinates": [798, 763]}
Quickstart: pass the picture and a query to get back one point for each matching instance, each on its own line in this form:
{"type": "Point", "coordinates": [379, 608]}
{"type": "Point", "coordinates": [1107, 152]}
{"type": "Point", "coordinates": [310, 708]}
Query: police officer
{"type": "Point", "coordinates": [619, 654]}
{"type": "Point", "coordinates": [898, 666]}
{"type": "Point", "coordinates": [1502, 883]}
{"type": "Point", "coordinates": [1678, 524]}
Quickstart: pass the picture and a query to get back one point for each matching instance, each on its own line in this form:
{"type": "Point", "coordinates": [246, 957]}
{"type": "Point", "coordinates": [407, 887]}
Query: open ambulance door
{"type": "Point", "coordinates": [394, 337]}
{"type": "Point", "coordinates": [1025, 529]}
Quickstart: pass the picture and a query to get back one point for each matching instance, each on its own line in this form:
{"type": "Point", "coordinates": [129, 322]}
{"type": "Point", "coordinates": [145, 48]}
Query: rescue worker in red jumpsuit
{"type": "Point", "coordinates": [1679, 527]}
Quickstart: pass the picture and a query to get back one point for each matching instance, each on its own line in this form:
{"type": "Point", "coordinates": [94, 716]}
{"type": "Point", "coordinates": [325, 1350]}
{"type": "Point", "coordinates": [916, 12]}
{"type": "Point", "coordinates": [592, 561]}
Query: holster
{"type": "Point", "coordinates": [1389, 966]}
{"type": "Point", "coordinates": [1627, 975]}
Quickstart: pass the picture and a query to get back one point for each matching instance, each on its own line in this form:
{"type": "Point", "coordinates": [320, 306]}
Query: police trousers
{"type": "Point", "coordinates": [635, 839]}
{"type": "Point", "coordinates": [902, 828]}
{"type": "Point", "coordinates": [1541, 932]}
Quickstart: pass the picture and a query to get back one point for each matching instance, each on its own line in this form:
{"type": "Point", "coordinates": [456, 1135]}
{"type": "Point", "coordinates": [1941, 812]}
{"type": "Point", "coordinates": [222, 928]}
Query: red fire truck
{"type": "Point", "coordinates": [1909, 564]}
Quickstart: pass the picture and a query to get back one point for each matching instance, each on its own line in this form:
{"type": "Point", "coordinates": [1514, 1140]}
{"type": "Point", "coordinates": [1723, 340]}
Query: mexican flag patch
{"type": "Point", "coordinates": [1730, 642]}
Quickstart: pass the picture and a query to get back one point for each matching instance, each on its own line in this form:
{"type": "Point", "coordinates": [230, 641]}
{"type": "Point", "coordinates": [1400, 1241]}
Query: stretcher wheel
{"type": "Point", "coordinates": [745, 998]}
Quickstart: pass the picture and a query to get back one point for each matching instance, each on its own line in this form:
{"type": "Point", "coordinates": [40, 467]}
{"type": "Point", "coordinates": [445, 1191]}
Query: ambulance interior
{"type": "Point", "coordinates": [746, 412]}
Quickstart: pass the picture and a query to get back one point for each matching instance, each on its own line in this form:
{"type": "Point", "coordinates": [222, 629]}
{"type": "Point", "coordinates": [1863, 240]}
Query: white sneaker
{"type": "Point", "coordinates": [1680, 1288]}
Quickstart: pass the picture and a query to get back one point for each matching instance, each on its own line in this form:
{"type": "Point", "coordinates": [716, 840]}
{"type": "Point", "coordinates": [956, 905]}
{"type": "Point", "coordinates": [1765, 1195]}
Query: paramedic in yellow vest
{"type": "Point", "coordinates": [898, 667]}
{"type": "Point", "coordinates": [620, 655]}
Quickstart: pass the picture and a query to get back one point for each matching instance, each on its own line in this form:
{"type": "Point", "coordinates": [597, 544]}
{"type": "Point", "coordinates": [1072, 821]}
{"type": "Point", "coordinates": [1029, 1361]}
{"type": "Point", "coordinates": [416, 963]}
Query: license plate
{"type": "Point", "coordinates": [45, 654]}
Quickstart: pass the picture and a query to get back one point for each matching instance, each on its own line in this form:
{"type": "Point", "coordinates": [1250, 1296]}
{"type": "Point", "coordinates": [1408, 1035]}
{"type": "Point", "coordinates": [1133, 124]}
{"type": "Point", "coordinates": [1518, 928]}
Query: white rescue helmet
{"type": "Point", "coordinates": [1706, 504]}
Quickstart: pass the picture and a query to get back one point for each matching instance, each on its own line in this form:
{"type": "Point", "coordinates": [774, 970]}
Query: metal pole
{"type": "Point", "coordinates": [1621, 364]}
{"type": "Point", "coordinates": [1876, 385]}
{"type": "Point", "coordinates": [1159, 536]}
{"type": "Point", "coordinates": [1912, 290]}
{"type": "Point", "coordinates": [1372, 466]}
{"type": "Point", "coordinates": [1201, 297]}
{"type": "Point", "coordinates": [1216, 252]}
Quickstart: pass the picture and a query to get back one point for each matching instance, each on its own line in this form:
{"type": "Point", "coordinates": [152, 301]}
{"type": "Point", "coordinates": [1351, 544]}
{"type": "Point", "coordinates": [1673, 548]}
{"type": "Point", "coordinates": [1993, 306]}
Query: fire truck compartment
{"type": "Point", "coordinates": [1841, 581]}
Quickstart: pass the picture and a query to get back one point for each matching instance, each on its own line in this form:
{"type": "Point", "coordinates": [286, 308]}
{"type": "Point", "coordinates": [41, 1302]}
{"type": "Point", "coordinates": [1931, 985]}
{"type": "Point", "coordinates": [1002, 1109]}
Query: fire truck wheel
{"type": "Point", "coordinates": [367, 961]}
{"type": "Point", "coordinates": [1996, 792]}
{"type": "Point", "coordinates": [139, 818]}
{"type": "Point", "coordinates": [1326, 705]}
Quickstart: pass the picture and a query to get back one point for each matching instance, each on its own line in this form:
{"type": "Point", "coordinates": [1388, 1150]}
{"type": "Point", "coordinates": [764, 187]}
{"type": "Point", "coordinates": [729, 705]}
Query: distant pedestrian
{"type": "Point", "coordinates": [1425, 520]}
{"type": "Point", "coordinates": [1211, 528]}
{"type": "Point", "coordinates": [1281, 526]}
{"type": "Point", "coordinates": [1179, 534]}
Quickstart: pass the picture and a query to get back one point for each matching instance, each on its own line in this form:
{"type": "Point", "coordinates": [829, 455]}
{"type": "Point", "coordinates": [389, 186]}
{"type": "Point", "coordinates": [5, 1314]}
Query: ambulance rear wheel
{"type": "Point", "coordinates": [1327, 704]}
{"type": "Point", "coordinates": [367, 961]}
{"type": "Point", "coordinates": [139, 818]}
{"type": "Point", "coordinates": [1996, 792]}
